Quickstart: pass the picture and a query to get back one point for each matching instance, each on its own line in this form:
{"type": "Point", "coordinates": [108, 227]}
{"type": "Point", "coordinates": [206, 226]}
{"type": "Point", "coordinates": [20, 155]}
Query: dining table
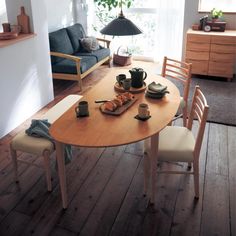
{"type": "Point", "coordinates": [105, 130]}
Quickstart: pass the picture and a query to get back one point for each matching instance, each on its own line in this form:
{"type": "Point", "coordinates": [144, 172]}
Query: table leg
{"type": "Point", "coordinates": [146, 167]}
{"type": "Point", "coordinates": [61, 172]}
{"type": "Point", "coordinates": [153, 164]}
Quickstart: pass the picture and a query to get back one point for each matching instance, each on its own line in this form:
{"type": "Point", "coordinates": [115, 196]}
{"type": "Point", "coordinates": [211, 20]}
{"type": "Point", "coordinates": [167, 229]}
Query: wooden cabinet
{"type": "Point", "coordinates": [212, 53]}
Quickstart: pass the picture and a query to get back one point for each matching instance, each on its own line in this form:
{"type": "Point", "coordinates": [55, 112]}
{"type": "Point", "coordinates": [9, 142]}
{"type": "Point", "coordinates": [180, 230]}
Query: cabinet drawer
{"type": "Point", "coordinates": [194, 55]}
{"type": "Point", "coordinates": [198, 38]}
{"type": "Point", "coordinates": [198, 67]}
{"type": "Point", "coordinates": [220, 69]}
{"type": "Point", "coordinates": [222, 57]}
{"type": "Point", "coordinates": [223, 39]}
{"type": "Point", "coordinates": [204, 47]}
{"type": "Point", "coordinates": [223, 48]}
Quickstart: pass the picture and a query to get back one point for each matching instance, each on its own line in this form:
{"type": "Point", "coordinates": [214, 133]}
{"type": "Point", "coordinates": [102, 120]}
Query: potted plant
{"type": "Point", "coordinates": [216, 14]}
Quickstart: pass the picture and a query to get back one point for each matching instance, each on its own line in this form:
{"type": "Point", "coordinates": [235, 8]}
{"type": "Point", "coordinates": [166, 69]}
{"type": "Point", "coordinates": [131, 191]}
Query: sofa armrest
{"type": "Point", "coordinates": [105, 41]}
{"type": "Point", "coordinates": [66, 56]}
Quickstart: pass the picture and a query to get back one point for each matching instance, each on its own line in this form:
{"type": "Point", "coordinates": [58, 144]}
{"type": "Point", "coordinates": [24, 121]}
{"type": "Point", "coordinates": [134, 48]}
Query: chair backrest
{"type": "Point", "coordinates": [199, 111]}
{"type": "Point", "coordinates": [180, 71]}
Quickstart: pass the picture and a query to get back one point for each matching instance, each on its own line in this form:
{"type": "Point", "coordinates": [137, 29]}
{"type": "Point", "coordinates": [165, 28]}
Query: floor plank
{"type": "Point", "coordinates": [232, 177]}
{"type": "Point", "coordinates": [215, 214]}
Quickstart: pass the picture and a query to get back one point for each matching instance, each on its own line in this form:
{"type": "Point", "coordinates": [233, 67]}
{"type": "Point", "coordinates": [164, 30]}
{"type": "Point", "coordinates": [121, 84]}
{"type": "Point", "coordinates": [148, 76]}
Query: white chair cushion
{"type": "Point", "coordinates": [29, 144]}
{"type": "Point", "coordinates": [25, 143]}
{"type": "Point", "coordinates": [176, 144]}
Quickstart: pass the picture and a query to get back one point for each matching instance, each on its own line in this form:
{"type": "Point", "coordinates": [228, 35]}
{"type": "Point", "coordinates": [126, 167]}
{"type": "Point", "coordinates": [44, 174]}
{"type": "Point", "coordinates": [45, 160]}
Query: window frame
{"type": "Point", "coordinates": [225, 11]}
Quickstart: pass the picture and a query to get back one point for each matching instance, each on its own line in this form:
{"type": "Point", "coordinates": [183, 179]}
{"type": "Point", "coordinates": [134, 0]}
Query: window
{"type": "Point", "coordinates": [224, 5]}
{"type": "Point", "coordinates": [3, 13]}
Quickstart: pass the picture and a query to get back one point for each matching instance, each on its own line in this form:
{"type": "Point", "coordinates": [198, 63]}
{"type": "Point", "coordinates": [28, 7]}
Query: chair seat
{"type": "Point", "coordinates": [171, 145]}
{"type": "Point", "coordinates": [29, 144]}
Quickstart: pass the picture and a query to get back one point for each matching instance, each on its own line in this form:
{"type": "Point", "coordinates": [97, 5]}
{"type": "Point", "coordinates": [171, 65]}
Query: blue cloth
{"type": "Point", "coordinates": [40, 129]}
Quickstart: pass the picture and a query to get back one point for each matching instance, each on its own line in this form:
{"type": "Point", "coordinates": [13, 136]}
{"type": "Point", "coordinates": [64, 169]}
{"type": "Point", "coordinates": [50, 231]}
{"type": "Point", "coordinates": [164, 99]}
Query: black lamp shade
{"type": "Point", "coordinates": [121, 27]}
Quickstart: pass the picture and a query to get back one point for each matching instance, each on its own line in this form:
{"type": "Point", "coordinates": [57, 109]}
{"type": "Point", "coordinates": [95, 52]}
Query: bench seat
{"type": "Point", "coordinates": [41, 146]}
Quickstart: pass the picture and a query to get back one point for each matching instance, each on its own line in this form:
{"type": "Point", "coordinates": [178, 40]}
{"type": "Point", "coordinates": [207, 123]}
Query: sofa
{"type": "Point", "coordinates": [70, 59]}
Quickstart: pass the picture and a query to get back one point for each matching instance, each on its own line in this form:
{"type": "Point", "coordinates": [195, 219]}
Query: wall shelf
{"type": "Point", "coordinates": [21, 37]}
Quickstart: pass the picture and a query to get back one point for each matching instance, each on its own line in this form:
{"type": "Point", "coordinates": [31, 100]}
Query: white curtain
{"type": "Point", "coordinates": [169, 33]}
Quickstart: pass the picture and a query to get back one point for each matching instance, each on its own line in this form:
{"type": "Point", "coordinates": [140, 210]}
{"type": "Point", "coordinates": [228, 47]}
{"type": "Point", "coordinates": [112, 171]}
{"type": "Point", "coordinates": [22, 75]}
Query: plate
{"type": "Point", "coordinates": [155, 95]}
{"type": "Point", "coordinates": [119, 110]}
{"type": "Point", "coordinates": [118, 88]}
{"type": "Point", "coordinates": [8, 35]}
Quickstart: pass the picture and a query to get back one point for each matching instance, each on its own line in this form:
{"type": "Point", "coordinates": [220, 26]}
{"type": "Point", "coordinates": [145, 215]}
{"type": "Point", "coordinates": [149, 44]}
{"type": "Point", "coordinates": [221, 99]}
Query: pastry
{"type": "Point", "coordinates": [130, 96]}
{"type": "Point", "coordinates": [110, 106]}
{"type": "Point", "coordinates": [118, 102]}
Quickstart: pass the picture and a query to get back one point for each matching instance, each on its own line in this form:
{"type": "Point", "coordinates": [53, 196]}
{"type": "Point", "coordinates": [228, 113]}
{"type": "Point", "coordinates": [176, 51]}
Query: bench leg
{"type": "Point", "coordinates": [46, 157]}
{"type": "Point", "coordinates": [14, 162]}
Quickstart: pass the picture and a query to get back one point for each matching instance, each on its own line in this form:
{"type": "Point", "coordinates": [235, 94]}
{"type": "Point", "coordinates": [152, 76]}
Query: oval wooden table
{"type": "Point", "coordinates": [101, 130]}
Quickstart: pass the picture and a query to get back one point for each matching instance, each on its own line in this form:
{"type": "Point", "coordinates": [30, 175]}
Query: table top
{"type": "Point", "coordinates": [102, 130]}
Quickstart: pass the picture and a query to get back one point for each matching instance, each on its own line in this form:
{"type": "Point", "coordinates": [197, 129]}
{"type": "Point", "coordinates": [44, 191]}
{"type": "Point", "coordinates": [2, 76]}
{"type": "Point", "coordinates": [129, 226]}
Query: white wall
{"type": "Point", "coordinates": [60, 14]}
{"type": "Point", "coordinates": [25, 73]}
{"type": "Point", "coordinates": [66, 13]}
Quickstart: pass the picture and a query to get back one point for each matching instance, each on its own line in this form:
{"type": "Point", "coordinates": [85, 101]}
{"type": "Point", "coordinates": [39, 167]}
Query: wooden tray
{"type": "Point", "coordinates": [118, 88]}
{"type": "Point", "coordinates": [119, 110]}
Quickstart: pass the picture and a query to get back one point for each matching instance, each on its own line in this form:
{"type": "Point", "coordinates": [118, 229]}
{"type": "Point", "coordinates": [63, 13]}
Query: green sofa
{"type": "Point", "coordinates": [69, 59]}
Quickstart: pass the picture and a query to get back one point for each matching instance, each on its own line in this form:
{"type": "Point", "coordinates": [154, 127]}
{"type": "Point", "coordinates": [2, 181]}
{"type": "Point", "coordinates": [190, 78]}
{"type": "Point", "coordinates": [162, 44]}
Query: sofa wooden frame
{"type": "Point", "coordinates": [79, 76]}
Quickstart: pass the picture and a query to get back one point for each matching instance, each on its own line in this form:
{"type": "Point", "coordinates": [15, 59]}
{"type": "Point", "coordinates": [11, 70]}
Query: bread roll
{"type": "Point", "coordinates": [110, 106]}
{"type": "Point", "coordinates": [118, 102]}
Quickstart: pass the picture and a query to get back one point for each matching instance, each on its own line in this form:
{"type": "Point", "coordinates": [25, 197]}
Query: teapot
{"type": "Point", "coordinates": [138, 75]}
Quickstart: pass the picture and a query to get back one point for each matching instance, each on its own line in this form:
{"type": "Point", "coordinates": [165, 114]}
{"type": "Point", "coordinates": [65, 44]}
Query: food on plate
{"type": "Point", "coordinates": [110, 106]}
{"type": "Point", "coordinates": [118, 101]}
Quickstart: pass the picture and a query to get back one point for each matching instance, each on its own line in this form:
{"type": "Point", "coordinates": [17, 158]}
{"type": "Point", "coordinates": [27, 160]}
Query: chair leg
{"type": "Point", "coordinates": [46, 157]}
{"type": "Point", "coordinates": [196, 178]}
{"type": "Point", "coordinates": [185, 116]}
{"type": "Point", "coordinates": [14, 162]}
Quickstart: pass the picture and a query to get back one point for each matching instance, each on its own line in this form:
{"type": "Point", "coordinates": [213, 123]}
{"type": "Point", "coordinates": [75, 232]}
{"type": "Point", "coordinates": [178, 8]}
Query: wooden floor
{"type": "Point", "coordinates": [105, 189]}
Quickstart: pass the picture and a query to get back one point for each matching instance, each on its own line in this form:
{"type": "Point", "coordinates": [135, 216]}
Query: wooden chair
{"type": "Point", "coordinates": [178, 144]}
{"type": "Point", "coordinates": [180, 71]}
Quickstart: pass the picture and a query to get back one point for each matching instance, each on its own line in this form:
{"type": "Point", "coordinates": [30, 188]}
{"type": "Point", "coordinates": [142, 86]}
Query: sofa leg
{"type": "Point", "coordinates": [80, 84]}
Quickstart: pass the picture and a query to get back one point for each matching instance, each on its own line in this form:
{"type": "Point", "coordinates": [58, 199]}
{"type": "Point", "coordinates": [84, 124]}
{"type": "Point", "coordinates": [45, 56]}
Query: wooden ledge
{"type": "Point", "coordinates": [21, 37]}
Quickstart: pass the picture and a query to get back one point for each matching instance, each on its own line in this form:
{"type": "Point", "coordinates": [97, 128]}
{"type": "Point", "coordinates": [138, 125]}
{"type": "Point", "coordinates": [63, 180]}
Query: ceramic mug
{"type": "Point", "coordinates": [6, 27]}
{"type": "Point", "coordinates": [120, 78]}
{"type": "Point", "coordinates": [16, 28]}
{"type": "Point", "coordinates": [126, 84]}
{"type": "Point", "coordinates": [82, 109]}
{"type": "Point", "coordinates": [143, 110]}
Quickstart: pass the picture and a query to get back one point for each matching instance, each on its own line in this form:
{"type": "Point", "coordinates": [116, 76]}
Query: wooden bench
{"type": "Point", "coordinates": [40, 146]}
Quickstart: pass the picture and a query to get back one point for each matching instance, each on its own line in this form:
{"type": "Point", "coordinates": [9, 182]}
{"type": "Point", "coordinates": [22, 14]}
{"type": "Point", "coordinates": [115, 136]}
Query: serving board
{"type": "Point", "coordinates": [132, 90]}
{"type": "Point", "coordinates": [119, 110]}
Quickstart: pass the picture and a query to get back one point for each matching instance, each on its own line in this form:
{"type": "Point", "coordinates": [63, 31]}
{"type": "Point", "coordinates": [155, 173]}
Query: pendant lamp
{"type": "Point", "coordinates": [121, 26]}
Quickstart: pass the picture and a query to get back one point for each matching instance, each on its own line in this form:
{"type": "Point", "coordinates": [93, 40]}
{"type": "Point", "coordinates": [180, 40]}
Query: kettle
{"type": "Point", "coordinates": [138, 75]}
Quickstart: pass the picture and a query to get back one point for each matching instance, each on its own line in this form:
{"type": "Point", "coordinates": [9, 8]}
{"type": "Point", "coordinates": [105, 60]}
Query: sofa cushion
{"type": "Point", "coordinates": [98, 54]}
{"type": "Point", "coordinates": [67, 66]}
{"type": "Point", "coordinates": [89, 44]}
{"type": "Point", "coordinates": [76, 32]}
{"type": "Point", "coordinates": [60, 42]}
